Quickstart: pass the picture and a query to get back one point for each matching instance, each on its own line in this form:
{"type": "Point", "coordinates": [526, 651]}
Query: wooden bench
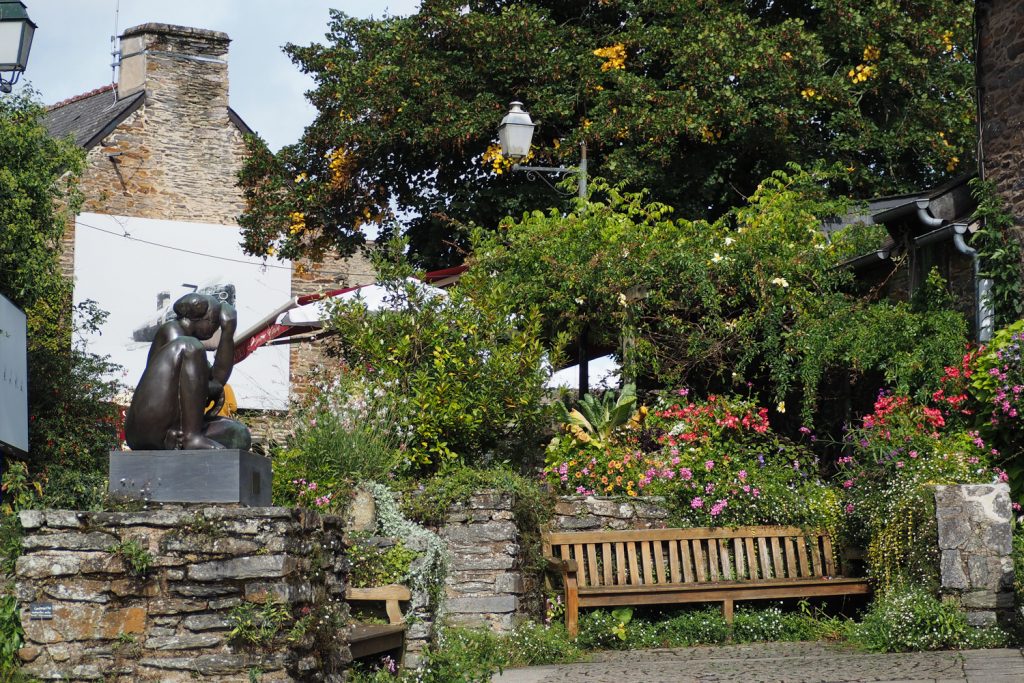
{"type": "Point", "coordinates": [663, 566]}
{"type": "Point", "coordinates": [373, 639]}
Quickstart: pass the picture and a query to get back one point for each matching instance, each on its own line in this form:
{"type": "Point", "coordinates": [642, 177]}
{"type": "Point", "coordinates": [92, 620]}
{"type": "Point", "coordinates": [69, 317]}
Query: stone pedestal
{"type": "Point", "coordinates": [976, 541]}
{"type": "Point", "coordinates": [193, 476]}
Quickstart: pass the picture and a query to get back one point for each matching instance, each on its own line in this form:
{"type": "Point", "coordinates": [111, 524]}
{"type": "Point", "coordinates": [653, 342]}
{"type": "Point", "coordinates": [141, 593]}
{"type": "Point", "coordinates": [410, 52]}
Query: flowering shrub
{"type": "Point", "coordinates": [894, 457]}
{"type": "Point", "coordinates": [997, 384]}
{"type": "Point", "coordinates": [717, 461]}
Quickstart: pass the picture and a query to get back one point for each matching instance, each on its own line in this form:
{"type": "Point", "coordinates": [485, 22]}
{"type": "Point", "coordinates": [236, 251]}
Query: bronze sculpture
{"type": "Point", "coordinates": [169, 408]}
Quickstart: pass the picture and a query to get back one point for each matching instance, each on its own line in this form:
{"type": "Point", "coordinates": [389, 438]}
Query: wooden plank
{"type": "Point", "coordinates": [573, 537]}
{"type": "Point", "coordinates": [373, 639]}
{"type": "Point", "coordinates": [708, 593]}
{"type": "Point", "coordinates": [816, 557]}
{"type": "Point", "coordinates": [581, 560]}
{"type": "Point", "coordinates": [673, 561]}
{"type": "Point", "coordinates": [684, 546]}
{"type": "Point", "coordinates": [392, 591]}
{"type": "Point", "coordinates": [620, 565]}
{"type": "Point", "coordinates": [801, 548]}
{"type": "Point", "coordinates": [725, 586]}
{"type": "Point", "coordinates": [713, 574]}
{"type": "Point", "coordinates": [723, 550]}
{"type": "Point", "coordinates": [572, 605]}
{"type": "Point", "coordinates": [748, 544]}
{"type": "Point", "coordinates": [765, 561]}
{"type": "Point", "coordinates": [634, 571]}
{"type": "Point", "coordinates": [659, 561]}
{"type": "Point", "coordinates": [777, 557]}
{"type": "Point", "coordinates": [790, 546]}
{"type": "Point", "coordinates": [830, 562]}
{"type": "Point", "coordinates": [741, 570]}
{"type": "Point", "coordinates": [593, 571]}
{"type": "Point", "coordinates": [698, 560]}
{"type": "Point", "coordinates": [606, 564]}
{"type": "Point", "coordinates": [648, 562]}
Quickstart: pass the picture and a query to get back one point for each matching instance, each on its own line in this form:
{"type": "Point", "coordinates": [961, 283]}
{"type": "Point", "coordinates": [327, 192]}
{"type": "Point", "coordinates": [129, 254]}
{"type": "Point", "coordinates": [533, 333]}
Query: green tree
{"type": "Point", "coordinates": [72, 416]}
{"type": "Point", "coordinates": [754, 296]}
{"type": "Point", "coordinates": [695, 100]}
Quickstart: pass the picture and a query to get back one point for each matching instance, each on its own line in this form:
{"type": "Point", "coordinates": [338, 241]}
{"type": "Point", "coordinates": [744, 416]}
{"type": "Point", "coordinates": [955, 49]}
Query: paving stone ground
{"type": "Point", "coordinates": [780, 663]}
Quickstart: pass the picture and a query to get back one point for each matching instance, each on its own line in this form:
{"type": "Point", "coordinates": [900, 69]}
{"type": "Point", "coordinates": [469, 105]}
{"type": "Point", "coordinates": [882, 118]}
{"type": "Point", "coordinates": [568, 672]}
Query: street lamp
{"type": "Point", "coordinates": [515, 135]}
{"type": "Point", "coordinates": [16, 31]}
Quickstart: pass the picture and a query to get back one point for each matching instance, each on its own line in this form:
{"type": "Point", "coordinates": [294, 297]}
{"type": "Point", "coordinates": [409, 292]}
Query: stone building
{"type": "Point", "coordinates": [1000, 80]}
{"type": "Point", "coordinates": [163, 143]}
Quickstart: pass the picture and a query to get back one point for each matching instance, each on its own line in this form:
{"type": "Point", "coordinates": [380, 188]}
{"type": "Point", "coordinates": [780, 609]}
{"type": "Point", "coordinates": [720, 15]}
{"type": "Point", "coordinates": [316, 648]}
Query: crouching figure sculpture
{"type": "Point", "coordinates": [169, 409]}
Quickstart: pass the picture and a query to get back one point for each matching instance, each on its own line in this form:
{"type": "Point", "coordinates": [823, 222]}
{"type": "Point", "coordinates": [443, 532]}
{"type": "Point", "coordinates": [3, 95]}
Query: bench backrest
{"type": "Point", "coordinates": [668, 556]}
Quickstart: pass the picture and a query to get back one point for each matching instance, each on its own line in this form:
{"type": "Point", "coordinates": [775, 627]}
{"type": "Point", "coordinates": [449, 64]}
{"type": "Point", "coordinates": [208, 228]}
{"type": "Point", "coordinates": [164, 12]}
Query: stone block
{"type": "Point", "coordinates": [254, 567]}
{"type": "Point", "coordinates": [483, 604]}
{"type": "Point", "coordinates": [70, 540]}
{"type": "Point", "coordinates": [952, 571]}
{"type": "Point", "coordinates": [31, 519]}
{"type": "Point", "coordinates": [42, 565]}
{"type": "Point", "coordinates": [79, 590]}
{"type": "Point", "coordinates": [509, 583]}
{"type": "Point", "coordinates": [189, 641]}
{"type": "Point", "coordinates": [981, 618]}
{"type": "Point", "coordinates": [981, 599]}
{"type": "Point", "coordinates": [205, 622]}
{"type": "Point", "coordinates": [362, 512]}
{"type": "Point", "coordinates": [201, 476]}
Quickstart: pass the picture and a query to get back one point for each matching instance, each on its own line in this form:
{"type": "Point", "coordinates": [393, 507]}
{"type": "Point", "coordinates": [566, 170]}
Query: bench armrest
{"type": "Point", "coordinates": [391, 595]}
{"type": "Point", "coordinates": [561, 566]}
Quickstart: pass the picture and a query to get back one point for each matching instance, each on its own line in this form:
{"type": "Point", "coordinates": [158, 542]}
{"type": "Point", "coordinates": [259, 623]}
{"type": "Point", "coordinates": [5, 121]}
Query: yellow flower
{"type": "Point", "coordinates": [947, 41]}
{"type": "Point", "coordinates": [781, 407]}
{"type": "Point", "coordinates": [952, 163]}
{"type": "Point", "coordinates": [271, 250]}
{"type": "Point", "coordinates": [614, 56]}
{"type": "Point", "coordinates": [298, 222]}
{"type": "Point", "coordinates": [810, 94]}
{"type": "Point", "coordinates": [301, 177]}
{"type": "Point", "coordinates": [861, 73]}
{"type": "Point", "coordinates": [872, 53]}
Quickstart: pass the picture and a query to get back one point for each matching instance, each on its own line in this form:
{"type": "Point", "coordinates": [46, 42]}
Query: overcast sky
{"type": "Point", "coordinates": [71, 51]}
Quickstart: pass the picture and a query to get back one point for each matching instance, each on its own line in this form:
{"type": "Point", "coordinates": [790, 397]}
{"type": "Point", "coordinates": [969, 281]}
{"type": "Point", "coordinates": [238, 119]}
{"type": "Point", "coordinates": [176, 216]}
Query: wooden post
{"type": "Point", "coordinates": [727, 611]}
{"type": "Point", "coordinates": [572, 605]}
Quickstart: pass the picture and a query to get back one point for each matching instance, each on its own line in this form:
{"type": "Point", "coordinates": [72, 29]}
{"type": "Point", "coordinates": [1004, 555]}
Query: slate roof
{"type": "Point", "coordinates": [91, 116]}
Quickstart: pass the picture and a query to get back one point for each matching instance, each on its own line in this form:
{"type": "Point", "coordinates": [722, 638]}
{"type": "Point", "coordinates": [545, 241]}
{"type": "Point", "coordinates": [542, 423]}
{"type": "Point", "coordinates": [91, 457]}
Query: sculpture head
{"type": "Point", "coordinates": [199, 315]}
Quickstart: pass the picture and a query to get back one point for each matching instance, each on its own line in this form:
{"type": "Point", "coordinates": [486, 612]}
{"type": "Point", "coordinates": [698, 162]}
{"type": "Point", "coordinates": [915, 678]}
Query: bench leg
{"type": "Point", "coordinates": [572, 606]}
{"type": "Point", "coordinates": [727, 611]}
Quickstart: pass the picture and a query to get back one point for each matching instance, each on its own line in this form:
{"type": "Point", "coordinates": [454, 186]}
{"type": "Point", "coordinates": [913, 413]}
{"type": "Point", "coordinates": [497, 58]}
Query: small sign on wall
{"type": "Point", "coordinates": [40, 611]}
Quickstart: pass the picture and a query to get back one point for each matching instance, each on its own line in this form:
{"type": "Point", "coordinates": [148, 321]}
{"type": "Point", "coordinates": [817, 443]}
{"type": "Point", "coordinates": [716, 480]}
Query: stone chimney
{"type": "Point", "coordinates": [1000, 65]}
{"type": "Point", "coordinates": [175, 62]}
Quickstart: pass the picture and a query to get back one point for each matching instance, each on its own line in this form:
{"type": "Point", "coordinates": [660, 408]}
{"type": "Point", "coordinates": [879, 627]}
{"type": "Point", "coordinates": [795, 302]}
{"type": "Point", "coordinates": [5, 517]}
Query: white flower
{"type": "Point", "coordinates": [728, 241]}
{"type": "Point", "coordinates": [717, 258]}
{"type": "Point", "coordinates": [622, 299]}
{"type": "Point", "coordinates": [780, 281]}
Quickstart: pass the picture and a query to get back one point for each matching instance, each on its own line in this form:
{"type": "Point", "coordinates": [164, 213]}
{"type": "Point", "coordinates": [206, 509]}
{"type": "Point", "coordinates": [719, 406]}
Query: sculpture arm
{"type": "Point", "coordinates": [224, 359]}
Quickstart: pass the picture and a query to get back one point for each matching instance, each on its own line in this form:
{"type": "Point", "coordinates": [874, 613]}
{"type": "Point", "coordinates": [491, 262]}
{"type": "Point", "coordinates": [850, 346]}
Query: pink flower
{"type": "Point", "coordinates": [696, 503]}
{"type": "Point", "coordinates": [899, 464]}
{"type": "Point", "coordinates": [848, 484]}
{"type": "Point", "coordinates": [913, 454]}
{"type": "Point", "coordinates": [675, 460]}
{"type": "Point", "coordinates": [849, 508]}
{"type": "Point", "coordinates": [717, 508]}
{"type": "Point", "coordinates": [746, 488]}
{"type": "Point", "coordinates": [742, 474]}
{"type": "Point", "coordinates": [709, 488]}
{"type": "Point", "coordinates": [756, 493]}
{"type": "Point", "coordinates": [685, 473]}
{"type": "Point", "coordinates": [709, 465]}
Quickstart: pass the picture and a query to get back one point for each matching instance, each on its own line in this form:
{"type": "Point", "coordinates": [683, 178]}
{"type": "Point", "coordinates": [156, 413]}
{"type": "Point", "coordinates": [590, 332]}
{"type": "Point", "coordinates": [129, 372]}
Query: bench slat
{"type": "Point", "coordinates": [592, 568]}
{"type": "Point", "coordinates": [606, 563]}
{"type": "Point", "coordinates": [748, 543]}
{"type": "Point", "coordinates": [684, 547]}
{"type": "Point", "coordinates": [646, 562]}
{"type": "Point", "coordinates": [790, 546]}
{"type": "Point", "coordinates": [776, 557]}
{"type": "Point", "coordinates": [713, 574]}
{"type": "Point", "coordinates": [620, 564]}
{"type": "Point", "coordinates": [659, 561]}
{"type": "Point", "coordinates": [801, 548]}
{"type": "Point", "coordinates": [577, 551]}
{"type": "Point", "coordinates": [830, 562]}
{"type": "Point", "coordinates": [766, 564]}
{"type": "Point", "coordinates": [698, 560]}
{"type": "Point", "coordinates": [724, 585]}
{"type": "Point", "coordinates": [634, 571]}
{"type": "Point", "coordinates": [673, 562]}
{"type": "Point", "coordinates": [816, 567]}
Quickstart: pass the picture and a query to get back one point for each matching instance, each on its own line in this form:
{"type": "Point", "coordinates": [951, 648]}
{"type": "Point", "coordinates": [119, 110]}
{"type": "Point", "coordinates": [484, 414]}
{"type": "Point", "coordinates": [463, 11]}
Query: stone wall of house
{"type": "Point", "coordinates": [177, 157]}
{"type": "Point", "coordinates": [596, 513]}
{"type": "Point", "coordinates": [173, 622]}
{"type": "Point", "coordinates": [1001, 78]}
{"type": "Point", "coordinates": [975, 539]}
{"type": "Point", "coordinates": [485, 585]}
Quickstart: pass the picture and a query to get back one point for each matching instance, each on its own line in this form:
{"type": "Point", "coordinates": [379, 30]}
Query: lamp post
{"type": "Point", "coordinates": [516, 134]}
{"type": "Point", "coordinates": [16, 31]}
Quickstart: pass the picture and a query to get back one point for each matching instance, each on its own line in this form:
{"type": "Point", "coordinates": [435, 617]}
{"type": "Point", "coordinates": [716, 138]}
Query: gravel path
{"type": "Point", "coordinates": [780, 663]}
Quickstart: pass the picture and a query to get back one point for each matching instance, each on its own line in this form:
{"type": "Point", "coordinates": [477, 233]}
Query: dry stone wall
{"type": "Point", "coordinates": [87, 617]}
{"type": "Point", "coordinates": [485, 584]}
{"type": "Point", "coordinates": [976, 541]}
{"type": "Point", "coordinates": [595, 513]}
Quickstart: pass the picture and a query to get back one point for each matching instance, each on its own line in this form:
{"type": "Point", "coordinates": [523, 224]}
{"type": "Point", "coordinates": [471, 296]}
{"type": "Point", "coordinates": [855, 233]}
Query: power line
{"type": "Point", "coordinates": [127, 236]}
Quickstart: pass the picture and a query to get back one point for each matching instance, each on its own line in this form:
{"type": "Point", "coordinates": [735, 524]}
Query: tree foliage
{"type": "Point", "coordinates": [71, 415]}
{"type": "Point", "coordinates": [755, 296]}
{"type": "Point", "coordinates": [695, 100]}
